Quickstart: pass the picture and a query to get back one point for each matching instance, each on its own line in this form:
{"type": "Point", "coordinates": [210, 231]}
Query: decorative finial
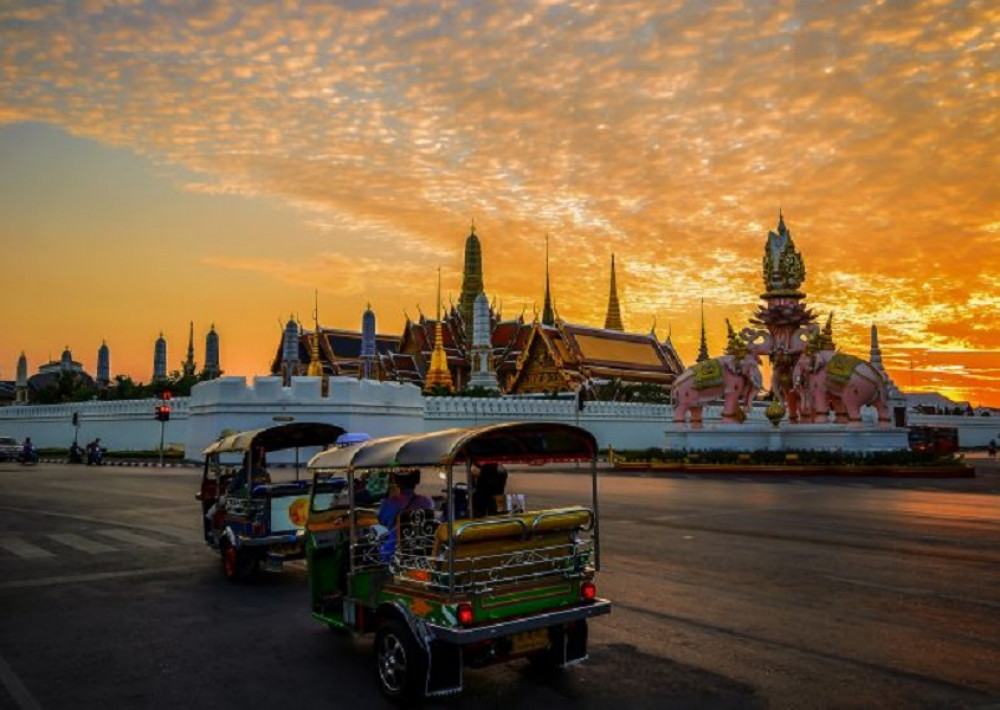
{"type": "Point", "coordinates": [473, 228]}
{"type": "Point", "coordinates": [703, 345]}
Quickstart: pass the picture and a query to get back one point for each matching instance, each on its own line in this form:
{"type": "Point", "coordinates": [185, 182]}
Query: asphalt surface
{"type": "Point", "coordinates": [733, 592]}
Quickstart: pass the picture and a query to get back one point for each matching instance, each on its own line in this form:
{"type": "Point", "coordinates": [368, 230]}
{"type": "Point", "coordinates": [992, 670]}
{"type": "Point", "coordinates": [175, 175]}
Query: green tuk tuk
{"type": "Point", "coordinates": [454, 591]}
{"type": "Point", "coordinates": [256, 520]}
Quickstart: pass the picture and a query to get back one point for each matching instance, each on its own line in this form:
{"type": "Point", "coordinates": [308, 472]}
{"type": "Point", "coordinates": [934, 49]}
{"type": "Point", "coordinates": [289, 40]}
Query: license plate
{"type": "Point", "coordinates": [527, 641]}
{"type": "Point", "coordinates": [272, 564]}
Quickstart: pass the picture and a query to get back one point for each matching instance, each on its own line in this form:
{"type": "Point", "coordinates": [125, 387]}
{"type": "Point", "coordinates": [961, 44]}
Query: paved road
{"type": "Point", "coordinates": [735, 593]}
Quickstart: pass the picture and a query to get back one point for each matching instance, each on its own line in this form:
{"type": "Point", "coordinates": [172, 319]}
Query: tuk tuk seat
{"type": "Point", "coordinates": [509, 547]}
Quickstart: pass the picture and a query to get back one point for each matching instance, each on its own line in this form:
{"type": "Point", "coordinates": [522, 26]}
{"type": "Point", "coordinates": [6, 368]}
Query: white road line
{"type": "Point", "coordinates": [133, 539]}
{"type": "Point", "coordinates": [78, 542]}
{"type": "Point", "coordinates": [22, 697]}
{"type": "Point", "coordinates": [24, 550]}
{"type": "Point", "coordinates": [87, 578]}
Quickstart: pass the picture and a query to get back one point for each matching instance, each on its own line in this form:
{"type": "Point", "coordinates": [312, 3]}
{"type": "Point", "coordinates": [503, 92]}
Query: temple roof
{"type": "Point", "coordinates": [585, 353]}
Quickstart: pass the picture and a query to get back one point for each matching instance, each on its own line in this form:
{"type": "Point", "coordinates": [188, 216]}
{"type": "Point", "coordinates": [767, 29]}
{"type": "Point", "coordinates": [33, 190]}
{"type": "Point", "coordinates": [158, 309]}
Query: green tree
{"type": "Point", "coordinates": [68, 386]}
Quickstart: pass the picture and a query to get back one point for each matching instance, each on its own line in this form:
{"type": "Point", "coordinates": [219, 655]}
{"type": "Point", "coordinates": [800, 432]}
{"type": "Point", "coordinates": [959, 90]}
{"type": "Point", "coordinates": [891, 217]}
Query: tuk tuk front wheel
{"type": "Point", "coordinates": [399, 662]}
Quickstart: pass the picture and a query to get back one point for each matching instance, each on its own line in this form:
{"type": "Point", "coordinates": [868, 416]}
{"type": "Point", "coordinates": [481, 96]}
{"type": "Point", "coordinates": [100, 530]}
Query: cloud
{"type": "Point", "coordinates": [669, 133]}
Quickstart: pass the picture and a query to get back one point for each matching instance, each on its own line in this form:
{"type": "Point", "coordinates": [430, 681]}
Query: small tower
{"type": "Point", "coordinates": [613, 321]}
{"type": "Point", "coordinates": [548, 316]}
{"type": "Point", "coordinates": [438, 374]}
{"type": "Point", "coordinates": [290, 352]}
{"type": "Point", "coordinates": [66, 361]}
{"type": "Point", "coordinates": [483, 374]}
{"type": "Point", "coordinates": [315, 363]}
{"type": "Point", "coordinates": [368, 366]}
{"type": "Point", "coordinates": [21, 384]}
{"type": "Point", "coordinates": [472, 281]}
{"type": "Point", "coordinates": [160, 358]}
{"type": "Point", "coordinates": [703, 346]}
{"type": "Point", "coordinates": [212, 367]}
{"type": "Point", "coordinates": [188, 367]}
{"type": "Point", "coordinates": [103, 365]}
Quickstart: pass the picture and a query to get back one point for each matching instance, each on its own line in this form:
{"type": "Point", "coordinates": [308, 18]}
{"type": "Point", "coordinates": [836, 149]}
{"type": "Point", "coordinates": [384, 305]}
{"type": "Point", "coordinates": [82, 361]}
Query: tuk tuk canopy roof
{"type": "Point", "coordinates": [517, 442]}
{"type": "Point", "coordinates": [277, 438]}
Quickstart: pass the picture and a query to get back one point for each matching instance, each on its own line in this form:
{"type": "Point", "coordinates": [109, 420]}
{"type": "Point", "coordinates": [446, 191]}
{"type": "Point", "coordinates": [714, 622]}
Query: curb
{"type": "Point", "coordinates": [122, 464]}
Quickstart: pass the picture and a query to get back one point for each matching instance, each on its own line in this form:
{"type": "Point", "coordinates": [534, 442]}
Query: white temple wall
{"type": "Point", "coordinates": [376, 408]}
{"type": "Point", "coordinates": [623, 425]}
{"type": "Point", "coordinates": [123, 425]}
{"type": "Point", "coordinates": [973, 432]}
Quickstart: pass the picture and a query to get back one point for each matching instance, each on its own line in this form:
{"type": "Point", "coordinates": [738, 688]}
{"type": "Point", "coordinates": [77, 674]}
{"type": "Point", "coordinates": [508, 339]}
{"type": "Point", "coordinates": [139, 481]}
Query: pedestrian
{"type": "Point", "coordinates": [992, 449]}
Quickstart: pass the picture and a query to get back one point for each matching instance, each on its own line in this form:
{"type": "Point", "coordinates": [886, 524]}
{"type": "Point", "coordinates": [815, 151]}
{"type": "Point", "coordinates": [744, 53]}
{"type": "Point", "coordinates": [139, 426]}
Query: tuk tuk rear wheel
{"type": "Point", "coordinates": [399, 662]}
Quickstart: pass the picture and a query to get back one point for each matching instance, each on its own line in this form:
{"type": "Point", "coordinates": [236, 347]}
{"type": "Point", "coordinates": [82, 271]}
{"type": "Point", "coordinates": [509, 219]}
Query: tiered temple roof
{"type": "Point", "coordinates": [547, 355]}
{"type": "Point", "coordinates": [564, 356]}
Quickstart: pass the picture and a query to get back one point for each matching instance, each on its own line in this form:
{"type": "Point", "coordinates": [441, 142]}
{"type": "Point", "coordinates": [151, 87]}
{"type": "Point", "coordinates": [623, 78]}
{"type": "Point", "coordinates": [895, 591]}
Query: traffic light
{"type": "Point", "coordinates": [162, 412]}
{"type": "Point", "coordinates": [166, 396]}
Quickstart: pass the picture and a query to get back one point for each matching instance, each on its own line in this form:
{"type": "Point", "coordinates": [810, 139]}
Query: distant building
{"type": "Point", "coordinates": [49, 374]}
{"type": "Point", "coordinates": [212, 367]}
{"type": "Point", "coordinates": [563, 356]}
{"type": "Point", "coordinates": [103, 365]}
{"type": "Point", "coordinates": [160, 359]}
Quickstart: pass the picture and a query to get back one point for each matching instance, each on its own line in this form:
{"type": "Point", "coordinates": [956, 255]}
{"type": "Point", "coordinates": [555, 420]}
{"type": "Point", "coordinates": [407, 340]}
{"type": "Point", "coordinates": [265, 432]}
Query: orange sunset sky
{"type": "Point", "coordinates": [167, 162]}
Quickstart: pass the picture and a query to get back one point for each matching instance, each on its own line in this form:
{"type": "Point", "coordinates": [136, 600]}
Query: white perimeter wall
{"type": "Point", "coordinates": [376, 408]}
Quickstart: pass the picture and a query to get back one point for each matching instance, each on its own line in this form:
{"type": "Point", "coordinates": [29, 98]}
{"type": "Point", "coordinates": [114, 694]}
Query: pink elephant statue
{"type": "Point", "coordinates": [841, 382]}
{"type": "Point", "coordinates": [735, 380]}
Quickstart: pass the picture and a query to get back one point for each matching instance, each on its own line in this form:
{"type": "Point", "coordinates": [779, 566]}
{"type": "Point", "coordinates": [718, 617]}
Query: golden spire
{"type": "Point", "coordinates": [438, 375]}
{"type": "Point", "coordinates": [613, 321]}
{"type": "Point", "coordinates": [315, 366]}
{"type": "Point", "coordinates": [548, 317]}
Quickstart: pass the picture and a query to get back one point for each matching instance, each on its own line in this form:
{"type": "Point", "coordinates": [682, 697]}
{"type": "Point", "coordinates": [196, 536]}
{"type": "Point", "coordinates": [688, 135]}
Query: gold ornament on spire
{"type": "Point", "coordinates": [438, 375]}
{"type": "Point", "coordinates": [736, 346]}
{"type": "Point", "coordinates": [315, 366]}
{"type": "Point", "coordinates": [613, 320]}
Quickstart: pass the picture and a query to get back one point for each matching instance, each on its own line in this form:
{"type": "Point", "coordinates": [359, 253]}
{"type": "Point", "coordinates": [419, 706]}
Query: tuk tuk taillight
{"type": "Point", "coordinates": [465, 614]}
{"type": "Point", "coordinates": [588, 590]}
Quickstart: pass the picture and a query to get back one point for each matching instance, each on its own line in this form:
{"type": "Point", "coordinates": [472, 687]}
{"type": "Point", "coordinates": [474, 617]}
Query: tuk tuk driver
{"type": "Point", "coordinates": [255, 463]}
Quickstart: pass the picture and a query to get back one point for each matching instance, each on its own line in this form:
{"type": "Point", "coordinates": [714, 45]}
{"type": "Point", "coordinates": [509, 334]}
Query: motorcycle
{"type": "Point", "coordinates": [75, 453]}
{"type": "Point", "coordinates": [95, 456]}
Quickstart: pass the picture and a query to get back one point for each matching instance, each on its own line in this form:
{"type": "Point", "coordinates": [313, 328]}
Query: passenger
{"type": "Point", "coordinates": [488, 486]}
{"type": "Point", "coordinates": [406, 499]}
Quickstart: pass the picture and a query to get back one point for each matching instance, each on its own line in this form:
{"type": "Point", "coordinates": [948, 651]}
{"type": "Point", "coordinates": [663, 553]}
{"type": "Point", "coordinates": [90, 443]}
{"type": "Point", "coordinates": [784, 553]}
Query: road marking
{"type": "Point", "coordinates": [81, 543]}
{"type": "Point", "coordinates": [24, 550]}
{"type": "Point", "coordinates": [185, 535]}
{"type": "Point", "coordinates": [85, 578]}
{"type": "Point", "coordinates": [133, 539]}
{"type": "Point", "coordinates": [21, 696]}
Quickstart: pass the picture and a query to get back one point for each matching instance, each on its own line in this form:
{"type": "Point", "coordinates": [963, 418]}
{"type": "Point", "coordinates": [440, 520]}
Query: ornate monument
{"type": "Point", "coordinates": [809, 377]}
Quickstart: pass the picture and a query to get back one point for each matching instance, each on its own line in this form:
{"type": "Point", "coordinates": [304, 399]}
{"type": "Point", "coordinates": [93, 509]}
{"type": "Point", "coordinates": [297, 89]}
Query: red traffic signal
{"type": "Point", "coordinates": [166, 395]}
{"type": "Point", "coordinates": [162, 412]}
